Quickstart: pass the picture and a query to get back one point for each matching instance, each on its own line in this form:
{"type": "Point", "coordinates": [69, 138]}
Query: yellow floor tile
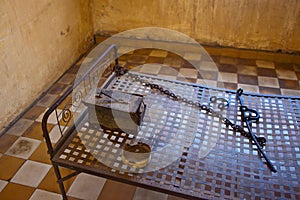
{"type": "Point", "coordinates": [125, 192]}
{"type": "Point", "coordinates": [14, 191]}
{"type": "Point", "coordinates": [35, 131]}
{"type": "Point", "coordinates": [249, 54]}
{"type": "Point", "coordinates": [9, 165]}
{"type": "Point", "coordinates": [49, 183]}
{"type": "Point", "coordinates": [40, 154]}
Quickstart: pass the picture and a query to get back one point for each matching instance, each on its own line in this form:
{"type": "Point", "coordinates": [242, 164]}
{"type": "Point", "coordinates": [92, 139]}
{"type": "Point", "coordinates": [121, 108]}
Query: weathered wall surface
{"type": "Point", "coordinates": [39, 40]}
{"type": "Point", "coordinates": [253, 24]}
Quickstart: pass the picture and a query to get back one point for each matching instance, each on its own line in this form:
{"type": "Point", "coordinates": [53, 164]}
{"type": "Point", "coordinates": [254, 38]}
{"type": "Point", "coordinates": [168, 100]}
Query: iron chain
{"type": "Point", "coordinates": [208, 110]}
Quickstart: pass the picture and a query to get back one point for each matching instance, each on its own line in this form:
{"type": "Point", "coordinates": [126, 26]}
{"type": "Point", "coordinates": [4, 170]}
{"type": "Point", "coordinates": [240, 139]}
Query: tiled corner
{"type": "Point", "coordinates": [31, 173]}
{"type": "Point", "coordinates": [45, 195]}
{"type": "Point", "coordinates": [144, 194]}
{"type": "Point", "coordinates": [83, 187]}
{"type": "Point", "coordinates": [23, 147]}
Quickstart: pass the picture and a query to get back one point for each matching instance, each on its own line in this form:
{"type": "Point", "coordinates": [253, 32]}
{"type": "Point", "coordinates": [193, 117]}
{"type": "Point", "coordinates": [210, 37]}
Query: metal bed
{"type": "Point", "coordinates": [195, 156]}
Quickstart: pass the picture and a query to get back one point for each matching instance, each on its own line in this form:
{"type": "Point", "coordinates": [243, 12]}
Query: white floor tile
{"type": "Point", "coordinates": [23, 147]}
{"type": "Point", "coordinates": [208, 83]}
{"type": "Point", "coordinates": [52, 118]}
{"type": "Point", "coordinates": [208, 66]}
{"type": "Point", "coordinates": [286, 74]}
{"type": "Point", "coordinates": [55, 134]}
{"type": "Point", "coordinates": [3, 184]}
{"type": "Point", "coordinates": [192, 56]}
{"type": "Point", "coordinates": [268, 81]}
{"type": "Point", "coordinates": [125, 50]}
{"type": "Point", "coordinates": [86, 186]}
{"type": "Point", "coordinates": [150, 68]}
{"type": "Point", "coordinates": [188, 73]}
{"type": "Point", "coordinates": [289, 92]}
{"type": "Point", "coordinates": [167, 77]}
{"type": "Point", "coordinates": [31, 173]}
{"type": "Point", "coordinates": [227, 77]}
{"type": "Point", "coordinates": [144, 194]}
{"type": "Point", "coordinates": [249, 88]}
{"type": "Point", "coordinates": [45, 195]}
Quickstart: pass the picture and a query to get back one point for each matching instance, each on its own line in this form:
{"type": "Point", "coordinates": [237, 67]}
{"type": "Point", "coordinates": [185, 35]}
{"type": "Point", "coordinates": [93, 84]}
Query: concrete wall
{"type": "Point", "coordinates": [253, 24]}
{"type": "Point", "coordinates": [39, 40]}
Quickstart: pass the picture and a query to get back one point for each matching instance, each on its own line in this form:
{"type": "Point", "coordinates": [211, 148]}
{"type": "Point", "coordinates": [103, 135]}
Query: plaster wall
{"type": "Point", "coordinates": [251, 24]}
{"type": "Point", "coordinates": [39, 40]}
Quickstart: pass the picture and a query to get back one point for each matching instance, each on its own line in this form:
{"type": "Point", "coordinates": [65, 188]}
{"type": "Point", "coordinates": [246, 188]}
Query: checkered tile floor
{"type": "Point", "coordinates": [259, 76]}
{"type": "Point", "coordinates": [25, 169]}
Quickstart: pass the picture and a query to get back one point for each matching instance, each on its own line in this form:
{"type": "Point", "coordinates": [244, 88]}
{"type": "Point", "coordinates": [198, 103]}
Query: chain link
{"type": "Point", "coordinates": [202, 107]}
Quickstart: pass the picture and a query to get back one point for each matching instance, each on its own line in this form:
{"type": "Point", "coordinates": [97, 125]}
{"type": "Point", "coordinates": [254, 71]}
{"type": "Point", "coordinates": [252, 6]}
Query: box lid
{"type": "Point", "coordinates": [116, 100]}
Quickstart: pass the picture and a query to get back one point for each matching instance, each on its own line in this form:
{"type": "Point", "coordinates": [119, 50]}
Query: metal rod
{"type": "Point", "coordinates": [252, 135]}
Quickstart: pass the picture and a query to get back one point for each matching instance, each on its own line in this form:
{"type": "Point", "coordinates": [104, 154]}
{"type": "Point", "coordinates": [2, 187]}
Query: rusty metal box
{"type": "Point", "coordinates": [115, 110]}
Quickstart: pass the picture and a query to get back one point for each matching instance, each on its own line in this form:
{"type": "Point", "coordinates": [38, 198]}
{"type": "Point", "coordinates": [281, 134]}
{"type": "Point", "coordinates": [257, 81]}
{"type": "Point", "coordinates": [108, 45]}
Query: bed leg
{"type": "Point", "coordinates": [60, 183]}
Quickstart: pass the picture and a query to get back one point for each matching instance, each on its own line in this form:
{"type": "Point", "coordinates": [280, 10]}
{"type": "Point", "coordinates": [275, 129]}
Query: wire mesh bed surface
{"type": "Point", "coordinates": [193, 155]}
